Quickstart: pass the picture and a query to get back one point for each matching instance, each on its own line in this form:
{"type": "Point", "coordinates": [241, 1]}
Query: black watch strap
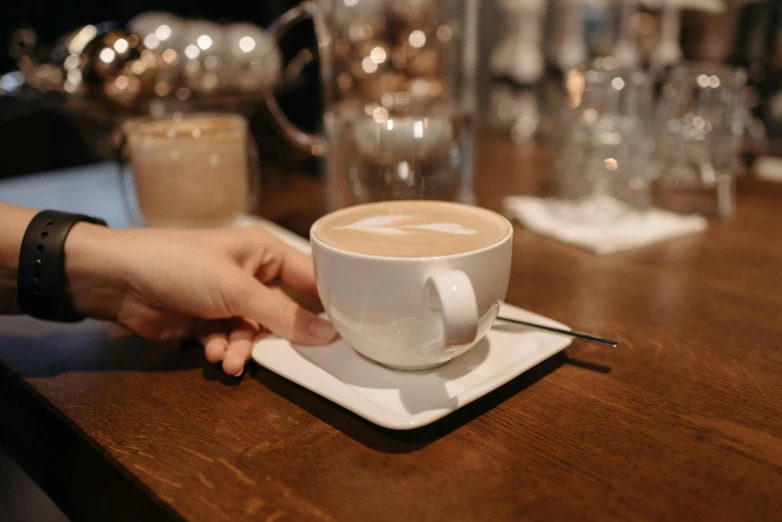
{"type": "Point", "coordinates": [41, 283]}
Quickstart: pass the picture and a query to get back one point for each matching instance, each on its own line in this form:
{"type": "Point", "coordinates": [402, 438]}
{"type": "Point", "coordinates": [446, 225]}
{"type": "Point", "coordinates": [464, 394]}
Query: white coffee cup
{"type": "Point", "coordinates": [412, 313]}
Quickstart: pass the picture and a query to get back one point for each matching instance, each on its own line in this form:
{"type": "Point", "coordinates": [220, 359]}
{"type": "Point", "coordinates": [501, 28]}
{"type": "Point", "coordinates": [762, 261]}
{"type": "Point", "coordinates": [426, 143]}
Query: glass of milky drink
{"type": "Point", "coordinates": [194, 170]}
{"type": "Point", "coordinates": [412, 284]}
{"type": "Point", "coordinates": [399, 95]}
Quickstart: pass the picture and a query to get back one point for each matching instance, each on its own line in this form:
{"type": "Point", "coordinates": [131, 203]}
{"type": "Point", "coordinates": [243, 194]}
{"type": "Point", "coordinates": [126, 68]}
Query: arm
{"type": "Point", "coordinates": [14, 222]}
{"type": "Point", "coordinates": [219, 285]}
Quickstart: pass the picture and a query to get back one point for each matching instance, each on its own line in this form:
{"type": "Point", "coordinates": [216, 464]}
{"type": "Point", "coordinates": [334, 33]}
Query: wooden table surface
{"type": "Point", "coordinates": [684, 422]}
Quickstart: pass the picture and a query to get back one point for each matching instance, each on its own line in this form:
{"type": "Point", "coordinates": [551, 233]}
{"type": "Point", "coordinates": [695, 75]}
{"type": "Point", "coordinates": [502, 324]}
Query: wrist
{"type": "Point", "coordinates": [15, 221]}
{"type": "Point", "coordinates": [94, 270]}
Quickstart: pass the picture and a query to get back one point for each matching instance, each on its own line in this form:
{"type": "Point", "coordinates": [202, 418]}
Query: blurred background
{"type": "Point", "coordinates": [546, 38]}
{"type": "Point", "coordinates": [73, 134]}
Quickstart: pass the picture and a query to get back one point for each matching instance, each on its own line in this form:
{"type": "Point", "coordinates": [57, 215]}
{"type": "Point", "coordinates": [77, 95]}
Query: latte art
{"type": "Point", "coordinates": [411, 229]}
{"type": "Point", "coordinates": [394, 225]}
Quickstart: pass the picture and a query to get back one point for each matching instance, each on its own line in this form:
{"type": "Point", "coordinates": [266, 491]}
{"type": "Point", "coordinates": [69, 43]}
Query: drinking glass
{"type": "Point", "coordinates": [194, 170]}
{"type": "Point", "coordinates": [399, 88]}
{"type": "Point", "coordinates": [604, 152]}
{"type": "Point", "coordinates": [701, 125]}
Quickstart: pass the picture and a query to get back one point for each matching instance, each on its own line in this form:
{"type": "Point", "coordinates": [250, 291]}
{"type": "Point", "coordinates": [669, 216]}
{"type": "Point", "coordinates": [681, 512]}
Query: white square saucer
{"type": "Point", "coordinates": [404, 400]}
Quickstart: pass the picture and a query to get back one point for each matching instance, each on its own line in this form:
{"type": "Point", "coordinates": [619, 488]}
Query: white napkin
{"type": "Point", "coordinates": [631, 231]}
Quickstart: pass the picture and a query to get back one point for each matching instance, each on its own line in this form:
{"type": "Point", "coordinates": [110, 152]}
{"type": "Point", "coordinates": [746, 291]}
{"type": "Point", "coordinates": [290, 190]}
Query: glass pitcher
{"type": "Point", "coordinates": [398, 80]}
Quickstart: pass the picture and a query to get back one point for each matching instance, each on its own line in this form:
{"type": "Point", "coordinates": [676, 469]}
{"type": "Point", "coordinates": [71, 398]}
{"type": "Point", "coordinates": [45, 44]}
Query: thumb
{"type": "Point", "coordinates": [276, 311]}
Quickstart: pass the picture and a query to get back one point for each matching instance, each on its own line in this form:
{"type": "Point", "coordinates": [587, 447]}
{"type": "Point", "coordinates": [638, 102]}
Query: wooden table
{"type": "Point", "coordinates": [684, 422]}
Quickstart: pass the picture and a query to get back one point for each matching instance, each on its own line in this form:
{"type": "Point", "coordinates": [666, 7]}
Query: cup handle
{"type": "Point", "coordinates": [312, 143]}
{"type": "Point", "coordinates": [452, 294]}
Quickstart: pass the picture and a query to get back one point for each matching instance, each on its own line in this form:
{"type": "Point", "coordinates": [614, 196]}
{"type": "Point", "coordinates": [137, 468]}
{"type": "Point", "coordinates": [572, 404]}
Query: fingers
{"type": "Point", "coordinates": [278, 313]}
{"type": "Point", "coordinates": [306, 300]}
{"type": "Point", "coordinates": [283, 261]}
{"type": "Point", "coordinates": [240, 345]}
{"type": "Point", "coordinates": [297, 270]}
{"type": "Point", "coordinates": [214, 336]}
{"type": "Point", "coordinates": [229, 344]}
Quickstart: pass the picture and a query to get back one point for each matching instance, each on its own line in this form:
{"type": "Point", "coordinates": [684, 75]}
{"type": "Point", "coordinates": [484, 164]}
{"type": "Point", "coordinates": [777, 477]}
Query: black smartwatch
{"type": "Point", "coordinates": [40, 281]}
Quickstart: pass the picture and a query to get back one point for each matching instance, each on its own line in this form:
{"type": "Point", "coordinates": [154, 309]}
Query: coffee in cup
{"type": "Point", "coordinates": [412, 284]}
{"type": "Point", "coordinates": [412, 229]}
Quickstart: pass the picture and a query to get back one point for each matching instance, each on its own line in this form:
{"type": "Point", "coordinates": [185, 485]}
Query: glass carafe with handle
{"type": "Point", "coordinates": [398, 81]}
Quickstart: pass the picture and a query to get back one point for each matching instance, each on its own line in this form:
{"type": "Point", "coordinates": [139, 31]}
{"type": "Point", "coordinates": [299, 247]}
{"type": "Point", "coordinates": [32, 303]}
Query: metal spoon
{"type": "Point", "coordinates": [580, 335]}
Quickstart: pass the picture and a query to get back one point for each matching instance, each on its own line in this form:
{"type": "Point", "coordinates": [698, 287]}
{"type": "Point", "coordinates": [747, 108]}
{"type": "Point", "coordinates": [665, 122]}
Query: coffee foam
{"type": "Point", "coordinates": [411, 229]}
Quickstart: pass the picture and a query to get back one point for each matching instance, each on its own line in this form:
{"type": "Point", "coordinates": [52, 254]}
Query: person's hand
{"type": "Point", "coordinates": [217, 285]}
